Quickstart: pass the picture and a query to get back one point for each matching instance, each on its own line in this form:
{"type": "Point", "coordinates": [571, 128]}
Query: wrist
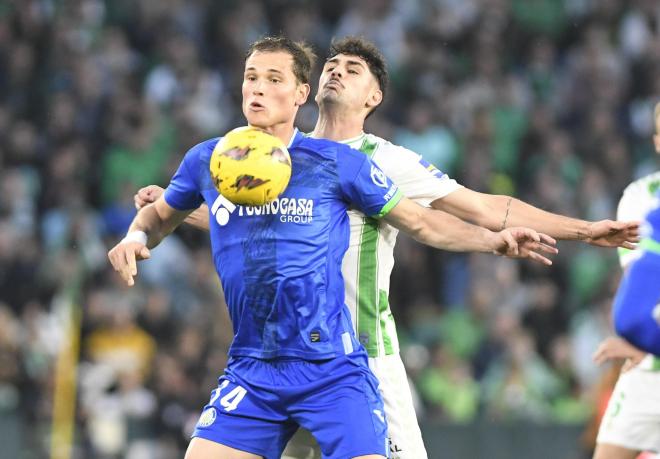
{"type": "Point", "coordinates": [585, 232]}
{"type": "Point", "coordinates": [135, 236]}
{"type": "Point", "coordinates": [493, 240]}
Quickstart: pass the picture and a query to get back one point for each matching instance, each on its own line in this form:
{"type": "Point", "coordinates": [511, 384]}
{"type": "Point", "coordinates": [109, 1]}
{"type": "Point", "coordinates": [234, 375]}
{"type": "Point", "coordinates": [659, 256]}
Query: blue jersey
{"type": "Point", "coordinates": [280, 264]}
{"type": "Point", "coordinates": [636, 308]}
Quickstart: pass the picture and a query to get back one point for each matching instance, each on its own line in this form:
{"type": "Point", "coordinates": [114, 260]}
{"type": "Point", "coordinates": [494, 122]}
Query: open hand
{"type": "Point", "coordinates": [519, 242]}
{"type": "Point", "coordinates": [147, 195]}
{"type": "Point", "coordinates": [609, 233]}
{"type": "Point", "coordinates": [618, 348]}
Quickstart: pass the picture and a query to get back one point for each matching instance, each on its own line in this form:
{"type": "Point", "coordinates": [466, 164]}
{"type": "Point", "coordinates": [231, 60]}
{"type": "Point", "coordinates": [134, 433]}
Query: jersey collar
{"type": "Point", "coordinates": [295, 138]}
{"type": "Point", "coordinates": [355, 139]}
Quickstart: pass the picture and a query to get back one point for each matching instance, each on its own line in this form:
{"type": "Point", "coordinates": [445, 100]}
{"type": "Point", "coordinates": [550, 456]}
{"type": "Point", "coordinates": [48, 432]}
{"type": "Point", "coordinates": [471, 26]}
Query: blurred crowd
{"type": "Point", "coordinates": [548, 100]}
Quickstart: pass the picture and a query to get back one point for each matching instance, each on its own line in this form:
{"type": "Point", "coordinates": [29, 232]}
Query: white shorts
{"type": "Point", "coordinates": [632, 418]}
{"type": "Point", "coordinates": [405, 436]}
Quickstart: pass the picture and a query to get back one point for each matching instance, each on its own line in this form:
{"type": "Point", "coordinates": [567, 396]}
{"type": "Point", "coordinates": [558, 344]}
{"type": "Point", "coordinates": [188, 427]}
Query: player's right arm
{"type": "Point", "coordinates": [155, 221]}
{"type": "Point", "coordinates": [199, 218]}
{"type": "Point", "coordinates": [499, 211]}
{"type": "Point", "coordinates": [151, 224]}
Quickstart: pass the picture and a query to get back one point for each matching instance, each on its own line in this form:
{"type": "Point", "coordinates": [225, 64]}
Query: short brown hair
{"type": "Point", "coordinates": [363, 48]}
{"type": "Point", "coordinates": [304, 57]}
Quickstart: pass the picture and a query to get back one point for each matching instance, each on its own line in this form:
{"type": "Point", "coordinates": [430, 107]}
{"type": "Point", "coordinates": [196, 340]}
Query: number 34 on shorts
{"type": "Point", "coordinates": [224, 398]}
{"type": "Point", "coordinates": [230, 399]}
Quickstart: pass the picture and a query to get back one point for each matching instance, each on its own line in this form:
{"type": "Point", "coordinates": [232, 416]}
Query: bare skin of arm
{"type": "Point", "coordinates": [497, 212]}
{"type": "Point", "coordinates": [494, 212]}
{"type": "Point", "coordinates": [615, 347]}
{"type": "Point", "coordinates": [156, 221]}
{"type": "Point", "coordinates": [433, 227]}
{"type": "Point", "coordinates": [444, 231]}
{"type": "Point", "coordinates": [199, 218]}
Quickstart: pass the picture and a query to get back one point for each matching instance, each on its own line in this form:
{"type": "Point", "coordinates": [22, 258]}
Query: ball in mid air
{"type": "Point", "coordinates": [250, 166]}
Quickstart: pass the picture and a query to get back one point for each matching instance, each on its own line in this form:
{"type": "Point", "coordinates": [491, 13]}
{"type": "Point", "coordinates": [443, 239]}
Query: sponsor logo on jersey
{"type": "Point", "coordinates": [288, 210]}
{"type": "Point", "coordinates": [315, 336]}
{"type": "Point", "coordinates": [207, 418]}
{"type": "Point", "coordinates": [378, 177]}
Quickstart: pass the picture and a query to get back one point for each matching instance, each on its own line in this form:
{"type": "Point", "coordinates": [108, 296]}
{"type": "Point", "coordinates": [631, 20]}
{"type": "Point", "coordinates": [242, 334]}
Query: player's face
{"type": "Point", "coordinates": [271, 92]}
{"type": "Point", "coordinates": [347, 81]}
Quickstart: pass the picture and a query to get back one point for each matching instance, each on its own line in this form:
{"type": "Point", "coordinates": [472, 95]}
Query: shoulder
{"type": "Point", "coordinates": [203, 150]}
{"type": "Point", "coordinates": [327, 148]}
{"type": "Point", "coordinates": [384, 150]}
{"type": "Point", "coordinates": [647, 185]}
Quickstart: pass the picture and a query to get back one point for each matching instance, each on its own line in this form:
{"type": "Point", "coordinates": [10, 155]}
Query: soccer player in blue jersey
{"type": "Point", "coordinates": [636, 309]}
{"type": "Point", "coordinates": [294, 360]}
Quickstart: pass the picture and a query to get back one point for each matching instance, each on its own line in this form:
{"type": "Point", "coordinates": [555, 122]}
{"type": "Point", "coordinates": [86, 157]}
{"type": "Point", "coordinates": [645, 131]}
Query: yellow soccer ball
{"type": "Point", "coordinates": [250, 167]}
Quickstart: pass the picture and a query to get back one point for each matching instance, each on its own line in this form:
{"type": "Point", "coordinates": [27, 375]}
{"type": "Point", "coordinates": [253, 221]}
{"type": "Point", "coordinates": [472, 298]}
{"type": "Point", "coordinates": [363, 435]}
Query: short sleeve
{"type": "Point", "coordinates": [416, 178]}
{"type": "Point", "coordinates": [365, 185]}
{"type": "Point", "coordinates": [183, 192]}
{"type": "Point", "coordinates": [634, 205]}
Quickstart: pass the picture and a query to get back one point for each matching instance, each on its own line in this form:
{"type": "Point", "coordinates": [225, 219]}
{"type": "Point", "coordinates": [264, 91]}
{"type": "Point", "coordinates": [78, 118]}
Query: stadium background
{"type": "Point", "coordinates": [549, 100]}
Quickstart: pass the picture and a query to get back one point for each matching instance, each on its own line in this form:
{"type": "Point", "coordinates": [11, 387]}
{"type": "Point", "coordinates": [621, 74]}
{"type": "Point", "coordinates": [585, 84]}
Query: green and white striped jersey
{"type": "Point", "coordinates": [637, 200]}
{"type": "Point", "coordinates": [370, 257]}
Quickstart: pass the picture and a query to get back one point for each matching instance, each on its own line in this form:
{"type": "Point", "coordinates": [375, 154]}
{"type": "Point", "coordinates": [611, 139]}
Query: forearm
{"type": "Point", "coordinates": [444, 231]}
{"type": "Point", "coordinates": [157, 221]}
{"type": "Point", "coordinates": [199, 218]}
{"type": "Point", "coordinates": [497, 212]}
{"type": "Point", "coordinates": [440, 229]}
{"type": "Point", "coordinates": [554, 225]}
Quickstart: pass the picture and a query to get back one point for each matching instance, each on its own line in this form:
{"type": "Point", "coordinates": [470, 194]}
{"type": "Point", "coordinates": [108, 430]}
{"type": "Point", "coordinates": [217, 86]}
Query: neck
{"type": "Point", "coordinates": [338, 125]}
{"type": "Point", "coordinates": [283, 131]}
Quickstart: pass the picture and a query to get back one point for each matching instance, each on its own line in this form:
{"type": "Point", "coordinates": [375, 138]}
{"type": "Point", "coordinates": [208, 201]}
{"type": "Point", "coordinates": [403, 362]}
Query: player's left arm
{"type": "Point", "coordinates": [444, 231]}
{"type": "Point", "coordinates": [497, 212]}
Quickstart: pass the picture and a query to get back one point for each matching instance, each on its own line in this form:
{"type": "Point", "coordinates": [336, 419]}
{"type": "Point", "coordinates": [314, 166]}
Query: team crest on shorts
{"type": "Point", "coordinates": [207, 418]}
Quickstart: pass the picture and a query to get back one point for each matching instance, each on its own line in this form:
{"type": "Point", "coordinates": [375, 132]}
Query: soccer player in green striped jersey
{"type": "Point", "coordinates": [632, 419]}
{"type": "Point", "coordinates": [352, 85]}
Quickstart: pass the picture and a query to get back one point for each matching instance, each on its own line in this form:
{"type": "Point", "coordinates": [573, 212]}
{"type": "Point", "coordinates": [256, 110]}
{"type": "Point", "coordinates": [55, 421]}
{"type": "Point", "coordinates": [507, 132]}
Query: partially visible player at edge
{"type": "Point", "coordinates": [294, 360]}
{"type": "Point", "coordinates": [352, 85]}
{"type": "Point", "coordinates": [632, 418]}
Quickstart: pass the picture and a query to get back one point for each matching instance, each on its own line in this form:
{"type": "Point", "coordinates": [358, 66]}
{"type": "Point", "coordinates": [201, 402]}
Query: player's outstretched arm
{"type": "Point", "coordinates": [618, 348]}
{"type": "Point", "coordinates": [444, 231]}
{"type": "Point", "coordinates": [151, 224]}
{"type": "Point", "coordinates": [199, 218]}
{"type": "Point", "coordinates": [497, 212]}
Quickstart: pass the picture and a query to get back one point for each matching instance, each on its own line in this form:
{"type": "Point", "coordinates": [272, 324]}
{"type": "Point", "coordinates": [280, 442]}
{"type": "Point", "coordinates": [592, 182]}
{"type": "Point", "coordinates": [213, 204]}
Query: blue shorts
{"type": "Point", "coordinates": [259, 404]}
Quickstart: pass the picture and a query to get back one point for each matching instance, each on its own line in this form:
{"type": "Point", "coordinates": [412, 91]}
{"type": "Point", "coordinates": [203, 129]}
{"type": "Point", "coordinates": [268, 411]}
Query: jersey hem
{"type": "Point", "coordinates": [256, 354]}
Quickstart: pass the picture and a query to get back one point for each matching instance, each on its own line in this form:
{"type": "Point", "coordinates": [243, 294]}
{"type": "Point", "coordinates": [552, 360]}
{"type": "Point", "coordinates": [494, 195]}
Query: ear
{"type": "Point", "coordinates": [374, 99]}
{"type": "Point", "coordinates": [302, 93]}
